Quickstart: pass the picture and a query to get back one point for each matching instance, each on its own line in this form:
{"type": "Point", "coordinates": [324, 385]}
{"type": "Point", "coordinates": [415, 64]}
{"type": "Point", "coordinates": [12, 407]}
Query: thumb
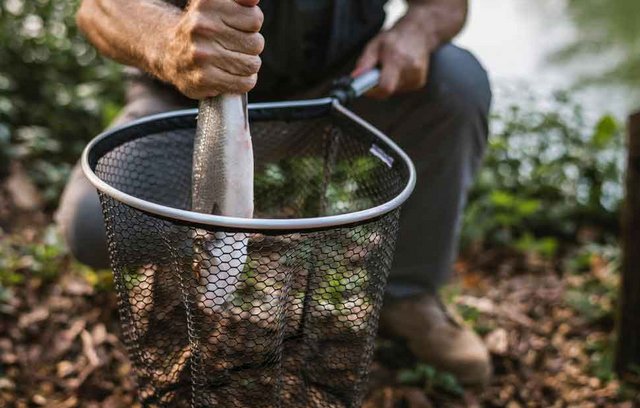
{"type": "Point", "coordinates": [368, 60]}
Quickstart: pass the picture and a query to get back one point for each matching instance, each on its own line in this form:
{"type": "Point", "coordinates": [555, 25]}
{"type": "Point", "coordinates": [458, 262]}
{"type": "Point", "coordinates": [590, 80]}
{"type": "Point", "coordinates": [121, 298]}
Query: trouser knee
{"type": "Point", "coordinates": [80, 220]}
{"type": "Point", "coordinates": [458, 79]}
{"type": "Point", "coordinates": [79, 215]}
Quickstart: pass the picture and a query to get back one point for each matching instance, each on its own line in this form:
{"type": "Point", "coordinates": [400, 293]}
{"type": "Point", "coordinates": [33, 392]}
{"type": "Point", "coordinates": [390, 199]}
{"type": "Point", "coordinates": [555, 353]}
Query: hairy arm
{"type": "Point", "coordinates": [404, 51]}
{"type": "Point", "coordinates": [439, 20]}
{"type": "Point", "coordinates": [131, 32]}
{"type": "Point", "coordinates": [210, 48]}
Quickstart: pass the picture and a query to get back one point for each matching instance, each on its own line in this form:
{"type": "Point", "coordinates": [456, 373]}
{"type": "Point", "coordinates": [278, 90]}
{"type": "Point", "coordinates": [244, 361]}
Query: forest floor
{"type": "Point", "coordinates": [549, 331]}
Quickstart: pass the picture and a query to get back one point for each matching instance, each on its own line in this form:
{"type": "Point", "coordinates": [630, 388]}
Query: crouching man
{"type": "Point", "coordinates": [433, 99]}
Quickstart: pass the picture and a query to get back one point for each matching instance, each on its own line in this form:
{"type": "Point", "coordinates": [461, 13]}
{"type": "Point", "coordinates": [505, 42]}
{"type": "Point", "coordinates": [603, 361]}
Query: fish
{"type": "Point", "coordinates": [222, 184]}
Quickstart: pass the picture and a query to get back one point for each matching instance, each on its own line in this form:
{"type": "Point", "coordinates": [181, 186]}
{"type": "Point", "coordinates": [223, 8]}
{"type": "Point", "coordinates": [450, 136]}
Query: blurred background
{"type": "Point", "coordinates": [538, 275]}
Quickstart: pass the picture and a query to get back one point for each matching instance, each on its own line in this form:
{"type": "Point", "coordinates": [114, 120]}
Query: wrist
{"type": "Point", "coordinates": [157, 48]}
{"type": "Point", "coordinates": [420, 19]}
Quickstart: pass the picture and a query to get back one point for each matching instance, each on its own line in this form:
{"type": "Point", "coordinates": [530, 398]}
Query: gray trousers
{"type": "Point", "coordinates": [443, 127]}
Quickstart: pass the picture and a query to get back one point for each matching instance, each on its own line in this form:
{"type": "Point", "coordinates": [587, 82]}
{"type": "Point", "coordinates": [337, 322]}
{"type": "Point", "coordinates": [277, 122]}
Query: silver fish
{"type": "Point", "coordinates": [222, 184]}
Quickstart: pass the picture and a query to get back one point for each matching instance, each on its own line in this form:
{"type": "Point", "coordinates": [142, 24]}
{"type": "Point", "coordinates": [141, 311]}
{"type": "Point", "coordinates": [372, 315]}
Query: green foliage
{"type": "Point", "coordinates": [588, 305]}
{"type": "Point", "coordinates": [610, 30]}
{"type": "Point", "coordinates": [101, 280]}
{"type": "Point", "coordinates": [468, 313]}
{"type": "Point", "coordinates": [601, 357]}
{"type": "Point", "coordinates": [546, 247]}
{"type": "Point", "coordinates": [547, 175]}
{"type": "Point", "coordinates": [42, 258]}
{"type": "Point", "coordinates": [56, 93]}
{"type": "Point", "coordinates": [594, 286]}
{"type": "Point", "coordinates": [629, 391]}
{"type": "Point", "coordinates": [431, 380]}
{"type": "Point", "coordinates": [304, 185]}
{"type": "Point", "coordinates": [341, 284]}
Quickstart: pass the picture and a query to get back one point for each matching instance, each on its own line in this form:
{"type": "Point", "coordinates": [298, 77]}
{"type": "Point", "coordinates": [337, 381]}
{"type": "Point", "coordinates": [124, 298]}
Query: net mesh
{"type": "Point", "coordinates": [214, 317]}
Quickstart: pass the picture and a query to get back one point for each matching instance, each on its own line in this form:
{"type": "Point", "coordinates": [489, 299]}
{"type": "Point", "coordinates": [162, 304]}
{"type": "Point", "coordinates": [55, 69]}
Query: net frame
{"type": "Point", "coordinates": [293, 110]}
{"type": "Point", "coordinates": [297, 371]}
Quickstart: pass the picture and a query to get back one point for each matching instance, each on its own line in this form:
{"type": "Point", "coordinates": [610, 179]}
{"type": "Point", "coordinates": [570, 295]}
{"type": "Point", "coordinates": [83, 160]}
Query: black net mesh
{"type": "Point", "coordinates": [214, 317]}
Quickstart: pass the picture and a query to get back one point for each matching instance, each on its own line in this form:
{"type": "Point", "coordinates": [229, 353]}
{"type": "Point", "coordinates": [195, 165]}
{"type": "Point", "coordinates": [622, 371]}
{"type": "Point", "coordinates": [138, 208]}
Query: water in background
{"type": "Point", "coordinates": [516, 40]}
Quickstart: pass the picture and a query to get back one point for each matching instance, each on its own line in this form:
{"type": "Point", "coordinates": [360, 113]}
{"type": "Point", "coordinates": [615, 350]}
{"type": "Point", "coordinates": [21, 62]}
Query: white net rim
{"type": "Point", "coordinates": [289, 224]}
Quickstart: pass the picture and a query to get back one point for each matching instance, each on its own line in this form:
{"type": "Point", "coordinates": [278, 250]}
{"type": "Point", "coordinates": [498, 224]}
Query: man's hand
{"type": "Point", "coordinates": [214, 48]}
{"type": "Point", "coordinates": [404, 51]}
{"type": "Point", "coordinates": [208, 49]}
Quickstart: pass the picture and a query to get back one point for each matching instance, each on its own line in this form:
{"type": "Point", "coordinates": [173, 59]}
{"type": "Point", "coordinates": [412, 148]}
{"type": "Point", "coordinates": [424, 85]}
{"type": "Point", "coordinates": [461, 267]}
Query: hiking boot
{"type": "Point", "coordinates": [437, 338]}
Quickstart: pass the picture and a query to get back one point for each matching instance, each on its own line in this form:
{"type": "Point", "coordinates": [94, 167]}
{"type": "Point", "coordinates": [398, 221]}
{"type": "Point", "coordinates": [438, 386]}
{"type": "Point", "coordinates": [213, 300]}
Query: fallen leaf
{"type": "Point", "coordinates": [34, 317]}
{"type": "Point", "coordinates": [497, 341]}
{"type": "Point", "coordinates": [99, 334]}
{"type": "Point", "coordinates": [65, 339]}
{"type": "Point", "coordinates": [89, 349]}
{"type": "Point", "coordinates": [6, 384]}
{"type": "Point", "coordinates": [65, 368]}
{"type": "Point", "coordinates": [23, 192]}
{"type": "Point", "coordinates": [39, 400]}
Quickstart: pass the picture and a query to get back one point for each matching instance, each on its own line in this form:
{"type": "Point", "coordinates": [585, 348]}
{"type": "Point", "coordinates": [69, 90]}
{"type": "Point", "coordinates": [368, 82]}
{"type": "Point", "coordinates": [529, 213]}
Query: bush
{"type": "Point", "coordinates": [548, 176]}
{"type": "Point", "coordinates": [608, 31]}
{"type": "Point", "coordinates": [56, 92]}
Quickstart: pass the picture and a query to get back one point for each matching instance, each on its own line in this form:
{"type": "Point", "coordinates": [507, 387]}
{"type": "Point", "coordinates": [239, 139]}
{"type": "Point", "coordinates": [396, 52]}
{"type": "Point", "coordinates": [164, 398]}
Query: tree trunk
{"type": "Point", "coordinates": [628, 348]}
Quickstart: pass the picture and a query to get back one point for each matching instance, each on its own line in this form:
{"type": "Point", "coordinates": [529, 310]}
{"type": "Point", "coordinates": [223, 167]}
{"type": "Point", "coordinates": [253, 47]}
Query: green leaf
{"type": "Point", "coordinates": [528, 207]}
{"type": "Point", "coordinates": [449, 383]}
{"type": "Point", "coordinates": [606, 129]}
{"type": "Point", "coordinates": [110, 112]}
{"type": "Point", "coordinates": [428, 372]}
{"type": "Point", "coordinates": [548, 246]}
{"type": "Point", "coordinates": [410, 377]}
{"type": "Point", "coordinates": [502, 199]}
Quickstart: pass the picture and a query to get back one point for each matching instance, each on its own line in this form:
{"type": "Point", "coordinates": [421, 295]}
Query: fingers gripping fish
{"type": "Point", "coordinates": [222, 185]}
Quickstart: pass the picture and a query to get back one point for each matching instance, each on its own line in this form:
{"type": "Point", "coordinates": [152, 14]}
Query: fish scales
{"type": "Point", "coordinates": [223, 158]}
{"type": "Point", "coordinates": [222, 185]}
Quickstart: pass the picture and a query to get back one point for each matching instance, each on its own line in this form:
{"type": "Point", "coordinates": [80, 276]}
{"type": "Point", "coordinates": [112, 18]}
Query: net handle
{"type": "Point", "coordinates": [346, 89]}
{"type": "Point", "coordinates": [365, 82]}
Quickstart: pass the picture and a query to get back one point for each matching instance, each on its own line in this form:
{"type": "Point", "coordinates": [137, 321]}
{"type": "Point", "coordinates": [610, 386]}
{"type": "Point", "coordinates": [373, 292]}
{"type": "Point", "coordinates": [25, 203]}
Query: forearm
{"type": "Point", "coordinates": [137, 41]}
{"type": "Point", "coordinates": [439, 20]}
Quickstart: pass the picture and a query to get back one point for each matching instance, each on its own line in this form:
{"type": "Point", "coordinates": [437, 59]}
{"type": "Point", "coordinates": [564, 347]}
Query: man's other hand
{"type": "Point", "coordinates": [403, 54]}
{"type": "Point", "coordinates": [215, 48]}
